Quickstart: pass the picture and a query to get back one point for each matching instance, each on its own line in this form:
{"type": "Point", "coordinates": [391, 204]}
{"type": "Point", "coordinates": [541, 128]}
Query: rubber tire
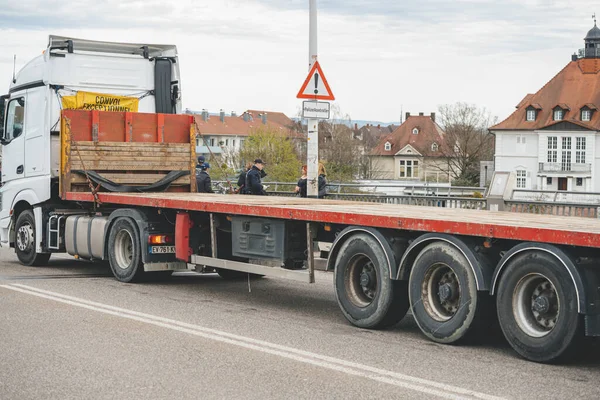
{"type": "Point", "coordinates": [562, 341]}
{"type": "Point", "coordinates": [135, 271]}
{"type": "Point", "coordinates": [30, 258]}
{"type": "Point", "coordinates": [391, 299]}
{"type": "Point", "coordinates": [473, 306]}
{"type": "Point", "coordinates": [231, 275]}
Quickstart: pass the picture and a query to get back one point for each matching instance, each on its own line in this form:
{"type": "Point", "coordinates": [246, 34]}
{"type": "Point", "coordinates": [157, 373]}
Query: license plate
{"type": "Point", "coordinates": [162, 249]}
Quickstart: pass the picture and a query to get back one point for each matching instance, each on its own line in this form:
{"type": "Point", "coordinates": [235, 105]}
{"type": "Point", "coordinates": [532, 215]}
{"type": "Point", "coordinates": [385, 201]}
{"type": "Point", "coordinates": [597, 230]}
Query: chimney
{"type": "Point", "coordinates": [355, 126]}
{"type": "Point", "coordinates": [573, 57]}
{"type": "Point", "coordinates": [233, 114]}
{"type": "Point", "coordinates": [421, 114]}
{"type": "Point", "coordinates": [378, 126]}
{"type": "Point", "coordinates": [204, 115]}
{"type": "Point", "coordinates": [222, 115]}
{"type": "Point", "coordinates": [263, 116]}
{"type": "Point", "coordinates": [245, 117]}
{"type": "Point", "coordinates": [433, 116]}
{"type": "Point", "coordinates": [407, 115]}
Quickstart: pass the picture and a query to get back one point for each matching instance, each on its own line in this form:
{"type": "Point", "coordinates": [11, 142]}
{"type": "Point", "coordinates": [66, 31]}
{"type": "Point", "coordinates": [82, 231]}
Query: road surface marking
{"type": "Point", "coordinates": [351, 368]}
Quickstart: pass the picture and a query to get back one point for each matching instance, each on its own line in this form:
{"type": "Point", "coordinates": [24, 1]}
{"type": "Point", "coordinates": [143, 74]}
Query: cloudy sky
{"type": "Point", "coordinates": [380, 57]}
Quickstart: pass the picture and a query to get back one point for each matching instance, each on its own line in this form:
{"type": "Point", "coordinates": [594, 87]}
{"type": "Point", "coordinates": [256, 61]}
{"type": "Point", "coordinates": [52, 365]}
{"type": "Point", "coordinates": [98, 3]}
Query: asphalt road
{"type": "Point", "coordinates": [69, 330]}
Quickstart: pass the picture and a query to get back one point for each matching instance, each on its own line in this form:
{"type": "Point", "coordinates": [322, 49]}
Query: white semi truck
{"type": "Point", "coordinates": [98, 163]}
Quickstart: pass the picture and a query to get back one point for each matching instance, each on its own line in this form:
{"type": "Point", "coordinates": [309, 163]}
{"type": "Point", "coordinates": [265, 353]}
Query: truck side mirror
{"type": "Point", "coordinates": [2, 111]}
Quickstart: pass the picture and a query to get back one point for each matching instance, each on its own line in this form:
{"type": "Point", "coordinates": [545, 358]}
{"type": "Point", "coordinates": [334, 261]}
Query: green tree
{"type": "Point", "coordinates": [275, 149]}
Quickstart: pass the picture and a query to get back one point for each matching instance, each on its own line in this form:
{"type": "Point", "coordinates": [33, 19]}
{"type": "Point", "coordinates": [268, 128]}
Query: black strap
{"type": "Point", "coordinates": [158, 186]}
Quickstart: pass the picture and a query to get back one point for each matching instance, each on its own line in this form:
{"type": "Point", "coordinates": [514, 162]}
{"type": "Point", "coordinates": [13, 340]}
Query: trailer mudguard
{"type": "Point", "coordinates": [480, 265]}
{"type": "Point", "coordinates": [378, 236]}
{"type": "Point", "coordinates": [566, 260]}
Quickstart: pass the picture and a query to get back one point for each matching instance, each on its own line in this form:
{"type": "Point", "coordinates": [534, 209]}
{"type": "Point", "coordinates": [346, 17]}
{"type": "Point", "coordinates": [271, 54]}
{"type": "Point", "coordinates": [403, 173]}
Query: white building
{"type": "Point", "coordinates": [551, 141]}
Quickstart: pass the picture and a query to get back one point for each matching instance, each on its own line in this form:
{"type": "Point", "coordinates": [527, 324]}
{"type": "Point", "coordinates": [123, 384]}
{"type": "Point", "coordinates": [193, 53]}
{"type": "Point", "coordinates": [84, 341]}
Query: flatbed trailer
{"type": "Point", "coordinates": [119, 186]}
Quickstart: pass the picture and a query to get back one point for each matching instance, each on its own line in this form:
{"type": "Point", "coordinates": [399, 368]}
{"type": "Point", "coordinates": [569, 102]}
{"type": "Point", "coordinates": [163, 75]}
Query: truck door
{"type": "Point", "coordinates": [36, 151]}
{"type": "Point", "coordinates": [13, 140]}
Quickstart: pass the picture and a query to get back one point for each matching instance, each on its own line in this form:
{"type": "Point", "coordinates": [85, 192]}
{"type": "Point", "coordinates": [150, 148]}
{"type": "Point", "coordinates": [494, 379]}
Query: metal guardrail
{"type": "Point", "coordinates": [546, 202]}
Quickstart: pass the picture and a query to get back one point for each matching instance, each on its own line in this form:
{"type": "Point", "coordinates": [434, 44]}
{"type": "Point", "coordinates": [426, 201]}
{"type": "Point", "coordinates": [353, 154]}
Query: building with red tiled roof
{"type": "Point", "coordinates": [551, 140]}
{"type": "Point", "coordinates": [224, 134]}
{"type": "Point", "coordinates": [412, 151]}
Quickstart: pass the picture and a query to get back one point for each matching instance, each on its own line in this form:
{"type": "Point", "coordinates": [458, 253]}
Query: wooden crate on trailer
{"type": "Point", "coordinates": [134, 150]}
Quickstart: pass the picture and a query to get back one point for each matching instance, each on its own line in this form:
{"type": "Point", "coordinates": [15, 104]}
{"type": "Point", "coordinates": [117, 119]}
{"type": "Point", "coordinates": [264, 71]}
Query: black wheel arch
{"type": "Point", "coordinates": [565, 259]}
{"type": "Point", "coordinates": [479, 263]}
{"type": "Point", "coordinates": [391, 254]}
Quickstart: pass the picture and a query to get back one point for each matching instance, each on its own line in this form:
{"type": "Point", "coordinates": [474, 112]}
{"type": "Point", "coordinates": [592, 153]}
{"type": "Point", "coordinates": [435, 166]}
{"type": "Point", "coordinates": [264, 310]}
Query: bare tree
{"type": "Point", "coordinates": [467, 141]}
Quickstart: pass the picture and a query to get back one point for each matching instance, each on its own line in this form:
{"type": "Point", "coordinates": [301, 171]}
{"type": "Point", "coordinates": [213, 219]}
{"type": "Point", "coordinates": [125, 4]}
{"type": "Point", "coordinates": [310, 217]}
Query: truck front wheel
{"type": "Point", "coordinates": [366, 294]}
{"type": "Point", "coordinates": [537, 308]}
{"type": "Point", "coordinates": [25, 237]}
{"type": "Point", "coordinates": [124, 252]}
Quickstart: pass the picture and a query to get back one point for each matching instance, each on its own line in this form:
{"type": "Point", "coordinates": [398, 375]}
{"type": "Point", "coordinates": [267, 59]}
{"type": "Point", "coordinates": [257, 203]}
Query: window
{"type": "Point", "coordinates": [434, 147]}
{"type": "Point", "coordinates": [566, 143]}
{"type": "Point", "coordinates": [241, 143]}
{"type": "Point", "coordinates": [566, 161]}
{"type": "Point", "coordinates": [580, 150]}
{"type": "Point", "coordinates": [521, 140]}
{"type": "Point", "coordinates": [521, 179]}
{"type": "Point", "coordinates": [409, 169]}
{"type": "Point", "coordinates": [552, 149]}
{"type": "Point", "coordinates": [415, 131]}
{"type": "Point", "coordinates": [15, 119]}
{"type": "Point", "coordinates": [558, 115]}
{"type": "Point", "coordinates": [586, 115]}
{"type": "Point", "coordinates": [212, 142]}
{"type": "Point", "coordinates": [226, 142]}
{"type": "Point", "coordinates": [548, 181]}
{"type": "Point", "coordinates": [388, 146]}
{"type": "Point", "coordinates": [530, 115]}
{"type": "Point", "coordinates": [198, 141]}
{"type": "Point", "coordinates": [233, 142]}
{"type": "Point", "coordinates": [579, 182]}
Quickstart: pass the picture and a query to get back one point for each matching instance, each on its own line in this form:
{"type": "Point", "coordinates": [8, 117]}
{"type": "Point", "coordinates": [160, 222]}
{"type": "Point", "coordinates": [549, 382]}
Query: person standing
{"type": "Point", "coordinates": [302, 186]}
{"type": "Point", "coordinates": [322, 181]}
{"type": "Point", "coordinates": [254, 179]}
{"type": "Point", "coordinates": [242, 179]}
{"type": "Point", "coordinates": [203, 182]}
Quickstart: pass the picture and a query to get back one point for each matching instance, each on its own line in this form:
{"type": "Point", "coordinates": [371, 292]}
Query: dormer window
{"type": "Point", "coordinates": [532, 112]}
{"type": "Point", "coordinates": [587, 111]}
{"type": "Point", "coordinates": [586, 115]}
{"type": "Point", "coordinates": [415, 131]}
{"type": "Point", "coordinates": [558, 115]}
{"type": "Point", "coordinates": [558, 112]}
{"type": "Point", "coordinates": [388, 146]}
{"type": "Point", "coordinates": [434, 147]}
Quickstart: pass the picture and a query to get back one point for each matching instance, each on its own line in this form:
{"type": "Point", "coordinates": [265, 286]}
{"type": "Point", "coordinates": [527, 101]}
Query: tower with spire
{"type": "Point", "coordinates": [592, 42]}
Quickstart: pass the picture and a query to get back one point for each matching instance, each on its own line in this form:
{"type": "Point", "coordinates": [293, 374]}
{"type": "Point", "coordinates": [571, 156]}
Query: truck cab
{"type": "Point", "coordinates": [71, 73]}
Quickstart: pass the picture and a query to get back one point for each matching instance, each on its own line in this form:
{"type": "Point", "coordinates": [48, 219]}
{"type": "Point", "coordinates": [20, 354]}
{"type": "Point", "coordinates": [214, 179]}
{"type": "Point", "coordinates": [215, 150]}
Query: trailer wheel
{"type": "Point", "coordinates": [537, 308]}
{"type": "Point", "coordinates": [443, 294]}
{"type": "Point", "coordinates": [366, 294]}
{"type": "Point", "coordinates": [25, 241]}
{"type": "Point", "coordinates": [124, 252]}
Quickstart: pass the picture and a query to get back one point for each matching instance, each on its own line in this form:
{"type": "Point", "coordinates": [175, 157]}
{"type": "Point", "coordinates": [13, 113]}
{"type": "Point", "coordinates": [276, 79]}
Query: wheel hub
{"type": "Point", "coordinates": [440, 291]}
{"type": "Point", "coordinates": [541, 305]}
{"type": "Point", "coordinates": [535, 305]}
{"type": "Point", "coordinates": [24, 237]}
{"type": "Point", "coordinates": [361, 280]}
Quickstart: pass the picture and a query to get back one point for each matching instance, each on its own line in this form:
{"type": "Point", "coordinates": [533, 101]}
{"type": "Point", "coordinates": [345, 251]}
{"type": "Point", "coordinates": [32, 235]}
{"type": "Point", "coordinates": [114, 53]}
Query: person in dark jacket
{"type": "Point", "coordinates": [322, 181]}
{"type": "Point", "coordinates": [254, 179]}
{"type": "Point", "coordinates": [302, 186]}
{"type": "Point", "coordinates": [242, 179]}
{"type": "Point", "coordinates": [203, 182]}
{"type": "Point", "coordinates": [201, 161]}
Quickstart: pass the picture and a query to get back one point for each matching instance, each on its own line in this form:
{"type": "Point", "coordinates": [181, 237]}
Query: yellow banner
{"type": "Point", "coordinates": [100, 102]}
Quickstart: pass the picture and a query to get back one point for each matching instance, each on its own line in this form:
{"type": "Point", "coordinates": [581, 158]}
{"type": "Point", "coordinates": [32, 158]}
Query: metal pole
{"type": "Point", "coordinates": [312, 146]}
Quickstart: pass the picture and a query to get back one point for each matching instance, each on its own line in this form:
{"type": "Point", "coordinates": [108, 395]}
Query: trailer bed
{"type": "Point", "coordinates": [486, 224]}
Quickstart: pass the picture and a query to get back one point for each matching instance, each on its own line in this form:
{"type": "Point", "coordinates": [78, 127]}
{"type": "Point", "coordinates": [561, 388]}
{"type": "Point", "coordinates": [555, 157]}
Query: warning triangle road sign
{"type": "Point", "coordinates": [315, 86]}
